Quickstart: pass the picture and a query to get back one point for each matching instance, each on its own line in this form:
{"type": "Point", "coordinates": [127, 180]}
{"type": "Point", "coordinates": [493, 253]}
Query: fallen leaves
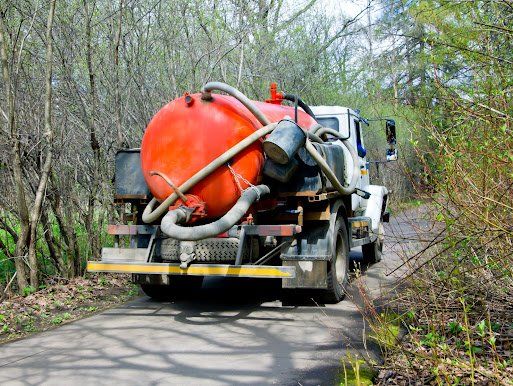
{"type": "Point", "coordinates": [60, 302]}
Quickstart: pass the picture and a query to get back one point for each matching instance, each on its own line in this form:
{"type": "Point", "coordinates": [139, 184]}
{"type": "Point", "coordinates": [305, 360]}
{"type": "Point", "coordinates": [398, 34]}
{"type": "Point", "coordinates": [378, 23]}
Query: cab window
{"type": "Point", "coordinates": [330, 122]}
{"type": "Point", "coordinates": [333, 123]}
{"type": "Point", "coordinates": [359, 142]}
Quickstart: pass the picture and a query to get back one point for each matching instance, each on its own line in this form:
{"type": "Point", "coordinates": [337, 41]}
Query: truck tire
{"type": "Point", "coordinates": [338, 268]}
{"type": "Point", "coordinates": [373, 252]}
{"type": "Point", "coordinates": [179, 286]}
{"type": "Point", "coordinates": [156, 292]}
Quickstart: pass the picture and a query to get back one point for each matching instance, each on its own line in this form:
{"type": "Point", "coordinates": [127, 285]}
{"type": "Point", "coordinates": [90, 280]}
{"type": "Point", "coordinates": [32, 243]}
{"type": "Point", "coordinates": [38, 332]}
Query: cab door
{"type": "Point", "coordinates": [358, 203]}
{"type": "Point", "coordinates": [362, 154]}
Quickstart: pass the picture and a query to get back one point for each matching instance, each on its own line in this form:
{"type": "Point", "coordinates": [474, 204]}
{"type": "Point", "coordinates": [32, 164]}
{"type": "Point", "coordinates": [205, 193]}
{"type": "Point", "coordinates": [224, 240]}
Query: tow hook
{"type": "Point", "coordinates": [187, 254]}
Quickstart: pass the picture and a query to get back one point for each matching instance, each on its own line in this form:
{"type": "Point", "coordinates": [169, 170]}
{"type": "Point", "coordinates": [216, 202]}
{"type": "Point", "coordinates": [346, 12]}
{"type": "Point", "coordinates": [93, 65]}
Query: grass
{"type": "Point", "coordinates": [356, 372]}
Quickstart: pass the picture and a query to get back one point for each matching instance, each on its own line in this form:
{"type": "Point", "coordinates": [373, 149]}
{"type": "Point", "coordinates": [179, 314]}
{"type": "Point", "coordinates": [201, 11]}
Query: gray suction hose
{"type": "Point", "coordinates": [313, 137]}
{"type": "Point", "coordinates": [329, 173]}
{"type": "Point", "coordinates": [174, 217]}
{"type": "Point", "coordinates": [320, 131]}
{"type": "Point", "coordinates": [327, 130]}
{"type": "Point", "coordinates": [314, 128]}
{"type": "Point", "coordinates": [220, 86]}
{"type": "Point", "coordinates": [149, 215]}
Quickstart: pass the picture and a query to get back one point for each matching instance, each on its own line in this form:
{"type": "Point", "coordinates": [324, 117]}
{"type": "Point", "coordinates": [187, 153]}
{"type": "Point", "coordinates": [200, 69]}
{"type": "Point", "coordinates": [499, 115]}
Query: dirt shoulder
{"type": "Point", "coordinates": [450, 320]}
{"type": "Point", "coordinates": [62, 302]}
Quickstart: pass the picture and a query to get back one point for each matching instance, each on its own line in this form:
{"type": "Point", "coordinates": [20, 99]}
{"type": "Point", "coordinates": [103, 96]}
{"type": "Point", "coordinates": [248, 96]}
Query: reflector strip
{"type": "Point", "coordinates": [195, 269]}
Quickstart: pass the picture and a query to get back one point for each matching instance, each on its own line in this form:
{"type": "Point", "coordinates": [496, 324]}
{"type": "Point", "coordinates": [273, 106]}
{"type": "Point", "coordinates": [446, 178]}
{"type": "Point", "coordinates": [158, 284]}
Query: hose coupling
{"type": "Point", "coordinates": [206, 96]}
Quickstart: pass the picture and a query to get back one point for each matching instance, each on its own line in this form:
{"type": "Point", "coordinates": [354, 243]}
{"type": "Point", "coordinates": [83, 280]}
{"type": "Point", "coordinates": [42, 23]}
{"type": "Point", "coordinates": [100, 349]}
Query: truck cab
{"type": "Point", "coordinates": [351, 125]}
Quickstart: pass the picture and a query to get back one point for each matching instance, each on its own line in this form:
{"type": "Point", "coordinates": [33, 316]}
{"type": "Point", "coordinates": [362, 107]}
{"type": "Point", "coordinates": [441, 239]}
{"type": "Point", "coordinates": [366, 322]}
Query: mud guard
{"type": "Point", "coordinates": [311, 251]}
{"type": "Point", "coordinates": [376, 204]}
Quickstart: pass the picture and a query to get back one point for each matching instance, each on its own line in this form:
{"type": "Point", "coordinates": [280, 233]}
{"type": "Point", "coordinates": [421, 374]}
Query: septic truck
{"type": "Point", "coordinates": [226, 186]}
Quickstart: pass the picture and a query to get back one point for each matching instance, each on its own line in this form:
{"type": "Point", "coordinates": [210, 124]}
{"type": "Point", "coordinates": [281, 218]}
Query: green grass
{"type": "Point", "coordinates": [356, 372]}
{"type": "Point", "coordinates": [386, 329]}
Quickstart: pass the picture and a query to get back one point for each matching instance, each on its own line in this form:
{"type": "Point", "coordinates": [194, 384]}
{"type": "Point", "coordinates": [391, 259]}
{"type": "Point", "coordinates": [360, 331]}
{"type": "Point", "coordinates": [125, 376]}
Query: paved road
{"type": "Point", "coordinates": [232, 332]}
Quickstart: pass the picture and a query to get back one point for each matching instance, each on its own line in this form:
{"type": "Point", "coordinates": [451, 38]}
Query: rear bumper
{"type": "Point", "coordinates": [256, 271]}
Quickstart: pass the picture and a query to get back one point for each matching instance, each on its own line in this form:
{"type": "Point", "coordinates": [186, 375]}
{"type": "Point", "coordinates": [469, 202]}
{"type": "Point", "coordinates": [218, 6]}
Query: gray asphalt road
{"type": "Point", "coordinates": [232, 332]}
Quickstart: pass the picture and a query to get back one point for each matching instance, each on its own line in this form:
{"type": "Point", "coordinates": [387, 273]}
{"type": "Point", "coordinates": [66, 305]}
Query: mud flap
{"type": "Point", "coordinates": [309, 274]}
{"type": "Point", "coordinates": [311, 251]}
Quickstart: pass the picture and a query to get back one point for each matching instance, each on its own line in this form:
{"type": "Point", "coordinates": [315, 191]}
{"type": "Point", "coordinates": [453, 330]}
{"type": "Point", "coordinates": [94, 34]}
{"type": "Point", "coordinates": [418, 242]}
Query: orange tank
{"type": "Point", "coordinates": [188, 133]}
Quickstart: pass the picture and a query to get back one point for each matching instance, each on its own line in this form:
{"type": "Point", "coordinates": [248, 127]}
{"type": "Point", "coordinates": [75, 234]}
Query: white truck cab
{"type": "Point", "coordinates": [350, 124]}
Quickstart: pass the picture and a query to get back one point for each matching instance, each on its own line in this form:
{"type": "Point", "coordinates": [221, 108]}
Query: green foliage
{"type": "Point", "coordinates": [28, 290]}
{"type": "Point", "coordinates": [451, 61]}
{"type": "Point", "coordinates": [29, 326]}
{"type": "Point", "coordinates": [133, 290]}
{"type": "Point", "coordinates": [454, 327]}
{"type": "Point", "coordinates": [57, 319]}
{"type": "Point", "coordinates": [356, 372]}
{"type": "Point", "coordinates": [102, 280]}
{"type": "Point", "coordinates": [60, 318]}
{"type": "Point", "coordinates": [386, 327]}
{"type": "Point", "coordinates": [431, 339]}
{"type": "Point", "coordinates": [481, 328]}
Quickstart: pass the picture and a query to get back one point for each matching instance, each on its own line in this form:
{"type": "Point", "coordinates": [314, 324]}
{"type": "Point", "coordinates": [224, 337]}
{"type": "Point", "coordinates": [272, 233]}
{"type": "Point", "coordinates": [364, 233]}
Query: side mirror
{"type": "Point", "coordinates": [391, 139]}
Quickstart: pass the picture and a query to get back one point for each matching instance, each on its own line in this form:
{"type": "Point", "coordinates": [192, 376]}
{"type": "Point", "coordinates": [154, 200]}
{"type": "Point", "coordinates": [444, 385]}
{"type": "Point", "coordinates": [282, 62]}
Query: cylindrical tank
{"type": "Point", "coordinates": [188, 133]}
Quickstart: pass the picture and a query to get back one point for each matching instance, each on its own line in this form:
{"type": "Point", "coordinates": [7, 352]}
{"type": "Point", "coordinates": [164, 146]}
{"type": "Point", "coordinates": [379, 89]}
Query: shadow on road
{"type": "Point", "coordinates": [222, 293]}
{"type": "Point", "coordinates": [232, 331]}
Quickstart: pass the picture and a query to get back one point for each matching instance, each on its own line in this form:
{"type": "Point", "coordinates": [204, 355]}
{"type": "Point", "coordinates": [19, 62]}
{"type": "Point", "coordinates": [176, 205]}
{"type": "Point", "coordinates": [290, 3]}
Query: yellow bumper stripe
{"type": "Point", "coordinates": [196, 270]}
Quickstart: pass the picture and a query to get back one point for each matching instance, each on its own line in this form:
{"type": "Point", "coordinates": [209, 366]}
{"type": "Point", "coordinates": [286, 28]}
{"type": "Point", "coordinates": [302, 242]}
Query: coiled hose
{"type": "Point", "coordinates": [170, 223]}
{"type": "Point", "coordinates": [320, 131]}
{"type": "Point", "coordinates": [351, 188]}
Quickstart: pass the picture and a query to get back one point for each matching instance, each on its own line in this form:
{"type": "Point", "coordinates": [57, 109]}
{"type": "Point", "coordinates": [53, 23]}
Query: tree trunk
{"type": "Point", "coordinates": [66, 221]}
{"type": "Point", "coordinates": [49, 133]}
{"type": "Point", "coordinates": [93, 140]}
{"type": "Point", "coordinates": [54, 247]}
{"type": "Point", "coordinates": [22, 207]}
{"type": "Point", "coordinates": [119, 126]}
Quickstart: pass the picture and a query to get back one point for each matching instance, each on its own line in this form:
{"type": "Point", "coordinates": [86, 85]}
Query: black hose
{"type": "Point", "coordinates": [296, 99]}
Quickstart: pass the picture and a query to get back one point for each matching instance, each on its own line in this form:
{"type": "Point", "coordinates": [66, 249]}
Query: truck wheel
{"type": "Point", "coordinates": [373, 252]}
{"type": "Point", "coordinates": [179, 286]}
{"type": "Point", "coordinates": [338, 268]}
{"type": "Point", "coordinates": [156, 291]}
